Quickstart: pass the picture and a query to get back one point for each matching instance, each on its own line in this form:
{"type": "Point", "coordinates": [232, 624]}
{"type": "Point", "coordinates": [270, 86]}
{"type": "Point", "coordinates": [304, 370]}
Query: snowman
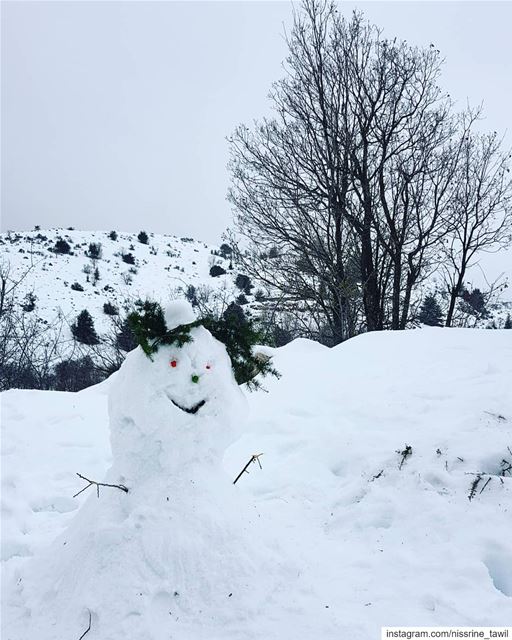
{"type": "Point", "coordinates": [179, 554]}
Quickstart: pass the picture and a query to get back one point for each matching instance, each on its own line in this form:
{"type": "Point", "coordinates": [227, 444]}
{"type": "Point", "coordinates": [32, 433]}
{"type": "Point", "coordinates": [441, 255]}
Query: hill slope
{"type": "Point", "coordinates": [371, 451]}
{"type": "Point", "coordinates": [159, 267]}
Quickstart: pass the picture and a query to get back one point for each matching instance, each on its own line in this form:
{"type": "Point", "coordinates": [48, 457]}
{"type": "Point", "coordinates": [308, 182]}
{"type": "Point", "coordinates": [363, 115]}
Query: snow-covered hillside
{"type": "Point", "coordinates": [370, 454]}
{"type": "Point", "coordinates": [160, 267]}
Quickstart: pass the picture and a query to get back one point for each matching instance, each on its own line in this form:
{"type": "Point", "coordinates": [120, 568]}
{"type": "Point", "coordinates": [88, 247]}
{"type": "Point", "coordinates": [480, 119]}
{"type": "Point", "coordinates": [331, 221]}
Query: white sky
{"type": "Point", "coordinates": [114, 114]}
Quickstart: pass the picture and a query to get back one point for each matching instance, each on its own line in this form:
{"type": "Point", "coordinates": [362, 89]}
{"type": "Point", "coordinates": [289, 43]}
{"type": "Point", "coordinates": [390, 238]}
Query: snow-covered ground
{"type": "Point", "coordinates": [163, 265]}
{"type": "Point", "coordinates": [368, 537]}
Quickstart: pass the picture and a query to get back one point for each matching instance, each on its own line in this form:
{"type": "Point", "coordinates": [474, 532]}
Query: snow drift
{"type": "Point", "coordinates": [360, 517]}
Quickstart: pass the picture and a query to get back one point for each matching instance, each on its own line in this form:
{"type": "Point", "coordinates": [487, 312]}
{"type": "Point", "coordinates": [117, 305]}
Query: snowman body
{"type": "Point", "coordinates": [162, 560]}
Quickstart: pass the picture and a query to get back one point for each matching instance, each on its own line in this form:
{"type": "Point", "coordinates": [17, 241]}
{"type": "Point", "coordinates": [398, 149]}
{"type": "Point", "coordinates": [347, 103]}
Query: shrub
{"type": "Point", "coordinates": [95, 250]}
{"type": "Point", "coordinates": [243, 283]}
{"type": "Point", "coordinates": [143, 237]}
{"type": "Point", "coordinates": [61, 246]}
{"type": "Point", "coordinates": [191, 295]}
{"type": "Point", "coordinates": [83, 329]}
{"type": "Point", "coordinates": [110, 309]}
{"type": "Point", "coordinates": [475, 300]}
{"type": "Point", "coordinates": [75, 375]}
{"type": "Point", "coordinates": [225, 250]}
{"type": "Point", "coordinates": [281, 335]}
{"type": "Point", "coordinates": [216, 271]}
{"type": "Point", "coordinates": [430, 312]}
{"type": "Point", "coordinates": [128, 258]}
{"type": "Point", "coordinates": [29, 302]}
{"type": "Point", "coordinates": [76, 286]}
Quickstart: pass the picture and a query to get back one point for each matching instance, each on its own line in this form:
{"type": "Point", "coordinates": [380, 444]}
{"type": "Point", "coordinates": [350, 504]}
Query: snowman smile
{"type": "Point", "coordinates": [193, 409]}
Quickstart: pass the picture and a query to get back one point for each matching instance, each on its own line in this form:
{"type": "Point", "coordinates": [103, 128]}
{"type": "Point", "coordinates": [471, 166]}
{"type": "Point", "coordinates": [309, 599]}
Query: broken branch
{"type": "Point", "coordinates": [254, 458]}
{"type": "Point", "coordinates": [88, 628]}
{"type": "Point", "coordinates": [405, 454]}
{"type": "Point", "coordinates": [98, 485]}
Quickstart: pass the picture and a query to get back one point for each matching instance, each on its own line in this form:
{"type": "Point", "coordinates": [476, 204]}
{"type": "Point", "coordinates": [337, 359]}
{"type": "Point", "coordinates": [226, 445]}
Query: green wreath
{"type": "Point", "coordinates": [238, 333]}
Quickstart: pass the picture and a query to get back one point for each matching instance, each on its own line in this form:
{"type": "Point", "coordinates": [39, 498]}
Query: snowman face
{"type": "Point", "coordinates": [184, 398]}
{"type": "Point", "coordinates": [194, 375]}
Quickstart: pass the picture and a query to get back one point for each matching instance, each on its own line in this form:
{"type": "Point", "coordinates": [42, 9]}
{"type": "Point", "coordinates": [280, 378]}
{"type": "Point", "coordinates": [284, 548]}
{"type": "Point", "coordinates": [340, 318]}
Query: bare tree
{"type": "Point", "coordinates": [342, 200]}
{"type": "Point", "coordinates": [481, 203]}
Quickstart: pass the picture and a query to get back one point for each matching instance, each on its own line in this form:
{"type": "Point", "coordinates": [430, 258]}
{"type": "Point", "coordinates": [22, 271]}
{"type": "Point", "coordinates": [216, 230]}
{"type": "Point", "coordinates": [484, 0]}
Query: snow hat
{"type": "Point", "coordinates": [178, 312]}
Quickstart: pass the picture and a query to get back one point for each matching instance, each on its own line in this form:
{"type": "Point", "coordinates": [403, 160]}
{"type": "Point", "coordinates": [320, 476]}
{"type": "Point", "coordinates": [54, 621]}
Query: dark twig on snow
{"type": "Point", "coordinates": [506, 467]}
{"type": "Point", "coordinates": [486, 483]}
{"type": "Point", "coordinates": [405, 454]}
{"type": "Point", "coordinates": [474, 486]}
{"type": "Point", "coordinates": [377, 475]}
{"type": "Point", "coordinates": [497, 416]}
{"type": "Point", "coordinates": [254, 458]}
{"type": "Point", "coordinates": [88, 628]}
{"type": "Point", "coordinates": [98, 485]}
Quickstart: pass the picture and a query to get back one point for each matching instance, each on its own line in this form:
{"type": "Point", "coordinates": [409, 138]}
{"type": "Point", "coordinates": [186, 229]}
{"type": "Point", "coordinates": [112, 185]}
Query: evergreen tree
{"type": "Point", "coordinates": [128, 258]}
{"type": "Point", "coordinates": [430, 312]}
{"type": "Point", "coordinates": [508, 322]}
{"type": "Point", "coordinates": [143, 237]}
{"type": "Point", "coordinates": [83, 329]}
{"type": "Point", "coordinates": [95, 250]}
{"type": "Point", "coordinates": [61, 246]}
{"type": "Point", "coordinates": [125, 338]}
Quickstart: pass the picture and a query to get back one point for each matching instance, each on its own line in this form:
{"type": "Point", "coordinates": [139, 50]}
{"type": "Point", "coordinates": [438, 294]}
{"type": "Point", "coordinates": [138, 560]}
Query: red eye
{"type": "Point", "coordinates": [173, 363]}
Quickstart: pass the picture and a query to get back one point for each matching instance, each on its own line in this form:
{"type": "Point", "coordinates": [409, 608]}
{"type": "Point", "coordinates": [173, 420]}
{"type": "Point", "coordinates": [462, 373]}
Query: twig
{"type": "Point", "coordinates": [405, 454]}
{"type": "Point", "coordinates": [506, 467]}
{"type": "Point", "coordinates": [378, 475]}
{"type": "Point", "coordinates": [497, 416]}
{"type": "Point", "coordinates": [98, 485]}
{"type": "Point", "coordinates": [254, 458]}
{"type": "Point", "coordinates": [474, 487]}
{"type": "Point", "coordinates": [88, 628]}
{"type": "Point", "coordinates": [487, 482]}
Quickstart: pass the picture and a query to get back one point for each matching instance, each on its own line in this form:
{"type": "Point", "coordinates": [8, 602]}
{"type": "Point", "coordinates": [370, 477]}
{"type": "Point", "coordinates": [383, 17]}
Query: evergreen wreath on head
{"type": "Point", "coordinates": [238, 333]}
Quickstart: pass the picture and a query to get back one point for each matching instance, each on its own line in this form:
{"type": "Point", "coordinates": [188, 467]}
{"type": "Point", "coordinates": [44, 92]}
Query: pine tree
{"type": "Point", "coordinates": [83, 329]}
{"type": "Point", "coordinates": [125, 338]}
{"type": "Point", "coordinates": [95, 250]}
{"type": "Point", "coordinates": [430, 312]}
{"type": "Point", "coordinates": [508, 322]}
{"type": "Point", "coordinates": [61, 246]}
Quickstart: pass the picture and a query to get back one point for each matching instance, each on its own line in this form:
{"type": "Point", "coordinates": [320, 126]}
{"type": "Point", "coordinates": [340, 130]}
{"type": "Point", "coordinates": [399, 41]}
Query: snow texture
{"type": "Point", "coordinates": [336, 536]}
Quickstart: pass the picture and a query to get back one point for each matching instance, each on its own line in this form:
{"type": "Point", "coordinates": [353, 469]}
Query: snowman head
{"type": "Point", "coordinates": [184, 389]}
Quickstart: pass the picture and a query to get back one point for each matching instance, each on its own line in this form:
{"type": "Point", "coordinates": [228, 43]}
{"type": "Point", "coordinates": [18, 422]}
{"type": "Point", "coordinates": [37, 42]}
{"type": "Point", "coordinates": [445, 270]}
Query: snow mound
{"type": "Point", "coordinates": [360, 517]}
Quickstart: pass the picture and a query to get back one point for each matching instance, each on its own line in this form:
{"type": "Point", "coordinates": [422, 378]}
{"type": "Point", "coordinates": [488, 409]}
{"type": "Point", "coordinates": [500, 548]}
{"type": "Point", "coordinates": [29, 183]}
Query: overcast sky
{"type": "Point", "coordinates": [115, 114]}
